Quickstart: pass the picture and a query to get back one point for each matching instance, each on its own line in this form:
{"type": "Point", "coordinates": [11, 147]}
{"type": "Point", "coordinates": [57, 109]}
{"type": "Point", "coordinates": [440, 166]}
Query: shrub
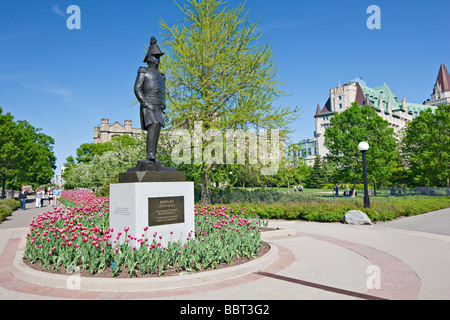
{"type": "Point", "coordinates": [10, 204]}
{"type": "Point", "coordinates": [4, 213]}
{"type": "Point", "coordinates": [7, 206]}
{"type": "Point", "coordinates": [257, 195]}
{"type": "Point", "coordinates": [103, 191]}
{"type": "Point", "coordinates": [331, 211]}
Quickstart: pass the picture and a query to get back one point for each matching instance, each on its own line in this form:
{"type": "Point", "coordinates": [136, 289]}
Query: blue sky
{"type": "Point", "coordinates": [64, 81]}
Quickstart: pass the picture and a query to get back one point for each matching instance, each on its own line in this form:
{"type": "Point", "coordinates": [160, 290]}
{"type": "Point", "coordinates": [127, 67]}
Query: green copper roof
{"type": "Point", "coordinates": [385, 94]}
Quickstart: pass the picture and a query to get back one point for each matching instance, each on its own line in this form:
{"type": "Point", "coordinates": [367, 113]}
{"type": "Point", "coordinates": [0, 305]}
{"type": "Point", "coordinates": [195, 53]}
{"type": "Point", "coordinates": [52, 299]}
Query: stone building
{"type": "Point", "coordinates": [382, 99]}
{"type": "Point", "coordinates": [441, 89]}
{"type": "Point", "coordinates": [105, 132]}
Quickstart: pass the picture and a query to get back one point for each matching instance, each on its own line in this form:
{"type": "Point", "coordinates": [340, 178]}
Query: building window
{"type": "Point", "coordinates": [340, 105]}
{"type": "Point", "coordinates": [340, 98]}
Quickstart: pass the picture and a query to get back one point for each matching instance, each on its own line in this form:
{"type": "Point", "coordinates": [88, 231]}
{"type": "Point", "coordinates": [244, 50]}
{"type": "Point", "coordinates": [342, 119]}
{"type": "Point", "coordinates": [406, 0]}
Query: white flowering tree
{"type": "Point", "coordinates": [105, 166]}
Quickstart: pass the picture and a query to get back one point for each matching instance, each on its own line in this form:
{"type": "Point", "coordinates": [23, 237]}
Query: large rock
{"type": "Point", "coordinates": [356, 217]}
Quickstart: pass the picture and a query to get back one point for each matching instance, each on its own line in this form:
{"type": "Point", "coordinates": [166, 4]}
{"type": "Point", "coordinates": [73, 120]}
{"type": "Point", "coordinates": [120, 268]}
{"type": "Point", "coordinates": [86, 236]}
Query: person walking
{"type": "Point", "coordinates": [50, 197]}
{"type": "Point", "coordinates": [336, 189]}
{"type": "Point", "coordinates": [23, 198]}
{"type": "Point", "coordinates": [38, 197]}
{"type": "Point", "coordinates": [44, 193]}
{"type": "Point", "coordinates": [57, 193]}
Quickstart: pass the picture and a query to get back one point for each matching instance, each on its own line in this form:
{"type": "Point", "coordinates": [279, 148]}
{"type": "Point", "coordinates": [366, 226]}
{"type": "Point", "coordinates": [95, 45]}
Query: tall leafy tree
{"type": "Point", "coordinates": [218, 73]}
{"type": "Point", "coordinates": [97, 162]}
{"type": "Point", "coordinates": [426, 148]}
{"type": "Point", "coordinates": [87, 151]}
{"type": "Point", "coordinates": [347, 129]}
{"type": "Point", "coordinates": [26, 154]}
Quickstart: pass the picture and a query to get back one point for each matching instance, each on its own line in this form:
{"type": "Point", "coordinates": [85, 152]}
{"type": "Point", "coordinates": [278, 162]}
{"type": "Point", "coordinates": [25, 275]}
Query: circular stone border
{"type": "Point", "coordinates": [74, 281]}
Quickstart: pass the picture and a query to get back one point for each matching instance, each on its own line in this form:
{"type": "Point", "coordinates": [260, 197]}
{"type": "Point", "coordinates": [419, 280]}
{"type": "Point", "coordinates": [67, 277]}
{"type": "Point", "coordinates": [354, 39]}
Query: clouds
{"type": "Point", "coordinates": [57, 10]}
{"type": "Point", "coordinates": [55, 90]}
{"type": "Point", "coordinates": [39, 85]}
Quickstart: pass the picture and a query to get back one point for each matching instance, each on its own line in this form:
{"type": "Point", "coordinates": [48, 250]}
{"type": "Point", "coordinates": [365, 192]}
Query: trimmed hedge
{"type": "Point", "coordinates": [332, 211]}
{"type": "Point", "coordinates": [256, 195]}
{"type": "Point", "coordinates": [7, 206]}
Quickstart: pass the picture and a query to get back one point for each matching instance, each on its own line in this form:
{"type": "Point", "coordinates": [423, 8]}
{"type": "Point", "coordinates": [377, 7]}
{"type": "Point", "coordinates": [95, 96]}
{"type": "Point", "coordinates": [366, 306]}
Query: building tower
{"type": "Point", "coordinates": [441, 89]}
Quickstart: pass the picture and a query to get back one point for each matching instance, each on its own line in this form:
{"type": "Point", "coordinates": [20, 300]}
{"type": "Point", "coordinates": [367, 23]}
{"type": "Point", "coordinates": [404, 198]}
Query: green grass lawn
{"type": "Point", "coordinates": [329, 194]}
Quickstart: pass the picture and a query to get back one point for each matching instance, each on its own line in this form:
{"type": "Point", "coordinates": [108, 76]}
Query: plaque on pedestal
{"type": "Point", "coordinates": [166, 208]}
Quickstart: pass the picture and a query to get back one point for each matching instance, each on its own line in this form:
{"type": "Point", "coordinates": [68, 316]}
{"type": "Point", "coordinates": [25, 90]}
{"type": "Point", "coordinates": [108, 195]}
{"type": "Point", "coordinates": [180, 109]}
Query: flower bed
{"type": "Point", "coordinates": [79, 236]}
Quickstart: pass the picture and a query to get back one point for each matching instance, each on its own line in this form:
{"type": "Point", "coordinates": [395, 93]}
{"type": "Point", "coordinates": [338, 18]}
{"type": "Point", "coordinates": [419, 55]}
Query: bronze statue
{"type": "Point", "coordinates": [150, 90]}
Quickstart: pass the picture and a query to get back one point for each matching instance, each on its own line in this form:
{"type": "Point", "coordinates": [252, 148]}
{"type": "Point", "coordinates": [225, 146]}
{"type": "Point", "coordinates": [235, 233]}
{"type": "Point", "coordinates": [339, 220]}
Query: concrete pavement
{"type": "Point", "coordinates": [401, 259]}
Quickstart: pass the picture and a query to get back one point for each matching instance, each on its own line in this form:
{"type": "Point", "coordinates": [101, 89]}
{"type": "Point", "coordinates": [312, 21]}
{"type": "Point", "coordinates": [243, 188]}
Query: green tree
{"type": "Point", "coordinates": [302, 173]}
{"type": "Point", "coordinates": [104, 161]}
{"type": "Point", "coordinates": [26, 154]}
{"type": "Point", "coordinates": [318, 175]}
{"type": "Point", "coordinates": [87, 151]}
{"type": "Point", "coordinates": [349, 128]}
{"type": "Point", "coordinates": [103, 167]}
{"type": "Point", "coordinates": [70, 163]}
{"type": "Point", "coordinates": [218, 73]}
{"type": "Point", "coordinates": [426, 148]}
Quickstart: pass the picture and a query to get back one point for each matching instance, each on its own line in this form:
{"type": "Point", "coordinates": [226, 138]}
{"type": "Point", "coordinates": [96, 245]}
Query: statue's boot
{"type": "Point", "coordinates": [153, 132]}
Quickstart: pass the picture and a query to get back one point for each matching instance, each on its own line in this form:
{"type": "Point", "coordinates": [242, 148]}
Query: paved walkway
{"type": "Point", "coordinates": [397, 260]}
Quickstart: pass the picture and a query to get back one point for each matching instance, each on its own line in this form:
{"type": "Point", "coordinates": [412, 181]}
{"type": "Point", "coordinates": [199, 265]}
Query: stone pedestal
{"type": "Point", "coordinates": [147, 165]}
{"type": "Point", "coordinates": [152, 176]}
{"type": "Point", "coordinates": [166, 208]}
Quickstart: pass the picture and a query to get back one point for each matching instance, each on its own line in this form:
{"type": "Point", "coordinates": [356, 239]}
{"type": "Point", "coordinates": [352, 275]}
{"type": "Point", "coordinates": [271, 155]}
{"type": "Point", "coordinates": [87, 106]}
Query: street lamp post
{"type": "Point", "coordinates": [363, 147]}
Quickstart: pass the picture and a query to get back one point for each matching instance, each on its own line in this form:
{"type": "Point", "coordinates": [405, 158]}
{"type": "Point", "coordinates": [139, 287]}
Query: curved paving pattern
{"type": "Point", "coordinates": [399, 281]}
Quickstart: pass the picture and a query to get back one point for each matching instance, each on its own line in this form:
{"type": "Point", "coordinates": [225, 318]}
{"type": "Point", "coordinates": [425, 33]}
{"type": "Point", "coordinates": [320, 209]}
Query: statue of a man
{"type": "Point", "coordinates": [150, 90]}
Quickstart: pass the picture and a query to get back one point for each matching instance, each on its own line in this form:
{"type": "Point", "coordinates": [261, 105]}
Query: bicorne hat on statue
{"type": "Point", "coordinates": [153, 49]}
